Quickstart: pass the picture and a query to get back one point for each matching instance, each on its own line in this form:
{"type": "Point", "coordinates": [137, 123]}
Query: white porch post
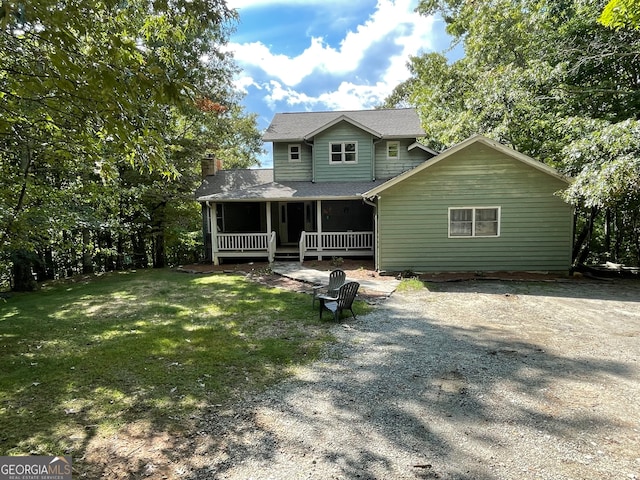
{"type": "Point", "coordinates": [213, 226]}
{"type": "Point", "coordinates": [268, 217]}
{"type": "Point", "coordinates": [268, 207]}
{"type": "Point", "coordinates": [319, 223]}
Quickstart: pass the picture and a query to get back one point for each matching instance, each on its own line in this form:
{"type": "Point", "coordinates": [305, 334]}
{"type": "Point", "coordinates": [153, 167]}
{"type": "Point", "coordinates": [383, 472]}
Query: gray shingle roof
{"type": "Point", "coordinates": [392, 123]}
{"type": "Point", "coordinates": [231, 180]}
{"type": "Point", "coordinates": [250, 185]}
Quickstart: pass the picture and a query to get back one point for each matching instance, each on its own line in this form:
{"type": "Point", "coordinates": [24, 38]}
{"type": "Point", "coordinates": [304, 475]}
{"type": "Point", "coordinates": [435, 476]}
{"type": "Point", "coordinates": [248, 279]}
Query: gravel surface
{"type": "Point", "coordinates": [465, 380]}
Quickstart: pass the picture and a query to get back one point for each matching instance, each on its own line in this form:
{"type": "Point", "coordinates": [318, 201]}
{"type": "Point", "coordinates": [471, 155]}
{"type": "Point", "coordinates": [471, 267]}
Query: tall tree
{"type": "Point", "coordinates": [87, 86]}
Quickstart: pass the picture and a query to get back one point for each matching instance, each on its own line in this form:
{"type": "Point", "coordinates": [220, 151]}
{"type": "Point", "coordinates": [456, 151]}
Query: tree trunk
{"type": "Point", "coordinates": [87, 258]}
{"type": "Point", "coordinates": [582, 248]}
{"type": "Point", "coordinates": [159, 254]}
{"type": "Point", "coordinates": [120, 254]}
{"type": "Point", "coordinates": [109, 259]}
{"type": "Point", "coordinates": [44, 267]}
{"type": "Point", "coordinates": [23, 280]}
{"type": "Point", "coordinates": [619, 239]}
{"type": "Point", "coordinates": [140, 259]}
{"type": "Point", "coordinates": [158, 214]}
{"type": "Point", "coordinates": [607, 234]}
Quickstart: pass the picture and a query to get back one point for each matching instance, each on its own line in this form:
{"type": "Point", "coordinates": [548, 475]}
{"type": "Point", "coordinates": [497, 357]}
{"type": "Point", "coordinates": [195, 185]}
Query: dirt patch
{"type": "Point", "coordinates": [356, 269]}
{"type": "Point", "coordinates": [261, 272]}
{"type": "Point", "coordinates": [361, 269]}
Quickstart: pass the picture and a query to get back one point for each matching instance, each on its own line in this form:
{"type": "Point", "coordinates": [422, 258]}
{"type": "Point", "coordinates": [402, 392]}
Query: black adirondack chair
{"type": "Point", "coordinates": [336, 280]}
{"type": "Point", "coordinates": [343, 301]}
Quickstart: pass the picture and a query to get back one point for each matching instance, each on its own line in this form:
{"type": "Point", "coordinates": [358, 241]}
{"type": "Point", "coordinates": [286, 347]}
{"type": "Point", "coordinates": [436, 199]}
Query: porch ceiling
{"type": "Point", "coordinates": [287, 191]}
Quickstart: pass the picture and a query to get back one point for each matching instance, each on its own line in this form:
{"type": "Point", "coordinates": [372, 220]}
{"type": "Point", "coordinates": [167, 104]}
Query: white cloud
{"type": "Point", "coordinates": [243, 84]}
{"type": "Point", "coordinates": [278, 93]}
{"type": "Point", "coordinates": [389, 19]}
{"type": "Point", "coordinates": [280, 77]}
{"type": "Point", "coordinates": [348, 96]}
{"type": "Point", "coordinates": [290, 71]}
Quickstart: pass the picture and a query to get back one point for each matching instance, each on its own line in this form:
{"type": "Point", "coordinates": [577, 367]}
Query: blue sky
{"type": "Point", "coordinates": [316, 55]}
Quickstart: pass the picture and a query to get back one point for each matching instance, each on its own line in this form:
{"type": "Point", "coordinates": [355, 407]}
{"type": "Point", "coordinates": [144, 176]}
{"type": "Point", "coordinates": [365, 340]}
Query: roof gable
{"type": "Point", "coordinates": [384, 123]}
{"type": "Point", "coordinates": [461, 146]}
{"type": "Point", "coordinates": [342, 118]}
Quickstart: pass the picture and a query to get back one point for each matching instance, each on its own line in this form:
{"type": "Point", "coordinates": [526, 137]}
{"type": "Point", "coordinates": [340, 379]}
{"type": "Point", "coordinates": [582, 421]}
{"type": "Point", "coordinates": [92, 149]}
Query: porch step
{"type": "Point", "coordinates": [287, 256]}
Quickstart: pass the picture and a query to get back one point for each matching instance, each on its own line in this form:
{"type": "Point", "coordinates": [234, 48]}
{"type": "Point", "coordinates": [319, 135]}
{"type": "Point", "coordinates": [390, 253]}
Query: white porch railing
{"type": "Point", "coordinates": [347, 242]}
{"type": "Point", "coordinates": [246, 244]}
{"type": "Point", "coordinates": [264, 244]}
{"type": "Point", "coordinates": [243, 241]}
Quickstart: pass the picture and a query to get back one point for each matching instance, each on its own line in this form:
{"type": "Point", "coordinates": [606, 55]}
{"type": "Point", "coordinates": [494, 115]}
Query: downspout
{"type": "Point", "coordinates": [313, 162]}
{"type": "Point", "coordinates": [375, 231]}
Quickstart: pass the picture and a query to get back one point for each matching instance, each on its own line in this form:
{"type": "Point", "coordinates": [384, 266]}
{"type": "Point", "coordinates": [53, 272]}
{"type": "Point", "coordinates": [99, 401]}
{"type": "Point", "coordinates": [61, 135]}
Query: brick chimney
{"type": "Point", "coordinates": [210, 165]}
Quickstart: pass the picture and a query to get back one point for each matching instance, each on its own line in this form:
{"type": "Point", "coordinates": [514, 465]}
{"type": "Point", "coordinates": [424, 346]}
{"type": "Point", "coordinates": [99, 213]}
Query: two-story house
{"type": "Point", "coordinates": [358, 183]}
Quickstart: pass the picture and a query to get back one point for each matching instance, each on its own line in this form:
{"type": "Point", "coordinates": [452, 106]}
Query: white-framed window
{"type": "Point", "coordinates": [465, 222]}
{"type": "Point", "coordinates": [393, 150]}
{"type": "Point", "coordinates": [344, 152]}
{"type": "Point", "coordinates": [294, 153]}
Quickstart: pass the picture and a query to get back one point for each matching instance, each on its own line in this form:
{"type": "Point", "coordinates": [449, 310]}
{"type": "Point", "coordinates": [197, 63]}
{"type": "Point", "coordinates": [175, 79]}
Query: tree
{"type": "Point", "coordinates": [90, 89]}
{"type": "Point", "coordinates": [547, 79]}
{"type": "Point", "coordinates": [621, 14]}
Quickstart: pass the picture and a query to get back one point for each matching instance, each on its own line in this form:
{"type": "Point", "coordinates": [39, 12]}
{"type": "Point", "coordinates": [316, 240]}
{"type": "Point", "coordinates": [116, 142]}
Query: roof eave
{"type": "Point", "coordinates": [342, 118]}
{"type": "Point", "coordinates": [422, 147]}
{"type": "Point", "coordinates": [355, 196]}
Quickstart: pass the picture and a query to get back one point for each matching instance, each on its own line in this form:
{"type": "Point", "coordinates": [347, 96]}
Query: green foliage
{"type": "Point", "coordinates": [337, 261]}
{"type": "Point", "coordinates": [107, 108]}
{"type": "Point", "coordinates": [83, 359]}
{"type": "Point", "coordinates": [621, 14]}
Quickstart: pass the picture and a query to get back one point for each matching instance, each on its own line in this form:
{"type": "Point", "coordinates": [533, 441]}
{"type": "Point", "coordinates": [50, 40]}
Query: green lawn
{"type": "Point", "coordinates": [92, 356]}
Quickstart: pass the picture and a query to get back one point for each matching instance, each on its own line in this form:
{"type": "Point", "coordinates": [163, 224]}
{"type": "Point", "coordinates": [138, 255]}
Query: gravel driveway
{"type": "Point", "coordinates": [468, 380]}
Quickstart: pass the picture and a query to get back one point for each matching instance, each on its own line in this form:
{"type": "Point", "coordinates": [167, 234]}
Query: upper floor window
{"type": "Point", "coordinates": [294, 153]}
{"type": "Point", "coordinates": [393, 150]}
{"type": "Point", "coordinates": [474, 222]}
{"type": "Point", "coordinates": [345, 152]}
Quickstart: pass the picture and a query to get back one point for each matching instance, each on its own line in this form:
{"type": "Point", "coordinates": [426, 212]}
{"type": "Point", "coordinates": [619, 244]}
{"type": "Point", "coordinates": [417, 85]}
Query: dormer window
{"type": "Point", "coordinates": [345, 152]}
{"type": "Point", "coordinates": [393, 150]}
{"type": "Point", "coordinates": [294, 153]}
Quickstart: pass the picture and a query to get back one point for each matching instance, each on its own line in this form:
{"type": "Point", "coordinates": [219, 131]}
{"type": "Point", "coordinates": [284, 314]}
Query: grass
{"type": "Point", "coordinates": [159, 346]}
{"type": "Point", "coordinates": [410, 285]}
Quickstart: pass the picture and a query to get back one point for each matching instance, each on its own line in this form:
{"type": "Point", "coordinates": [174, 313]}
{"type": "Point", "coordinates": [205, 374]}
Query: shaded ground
{"type": "Point", "coordinates": [467, 379]}
{"type": "Point", "coordinates": [473, 380]}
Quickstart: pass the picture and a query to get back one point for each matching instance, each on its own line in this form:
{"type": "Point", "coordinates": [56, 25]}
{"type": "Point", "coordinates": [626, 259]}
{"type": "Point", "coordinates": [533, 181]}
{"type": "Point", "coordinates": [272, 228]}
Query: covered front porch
{"type": "Point", "coordinates": [305, 229]}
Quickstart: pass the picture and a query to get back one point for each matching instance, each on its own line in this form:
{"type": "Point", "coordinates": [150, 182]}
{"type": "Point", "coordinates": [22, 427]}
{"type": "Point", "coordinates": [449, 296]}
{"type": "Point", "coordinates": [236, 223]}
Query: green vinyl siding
{"type": "Point", "coordinates": [535, 224]}
{"type": "Point", "coordinates": [387, 168]}
{"type": "Point", "coordinates": [340, 172]}
{"type": "Point", "coordinates": [285, 170]}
